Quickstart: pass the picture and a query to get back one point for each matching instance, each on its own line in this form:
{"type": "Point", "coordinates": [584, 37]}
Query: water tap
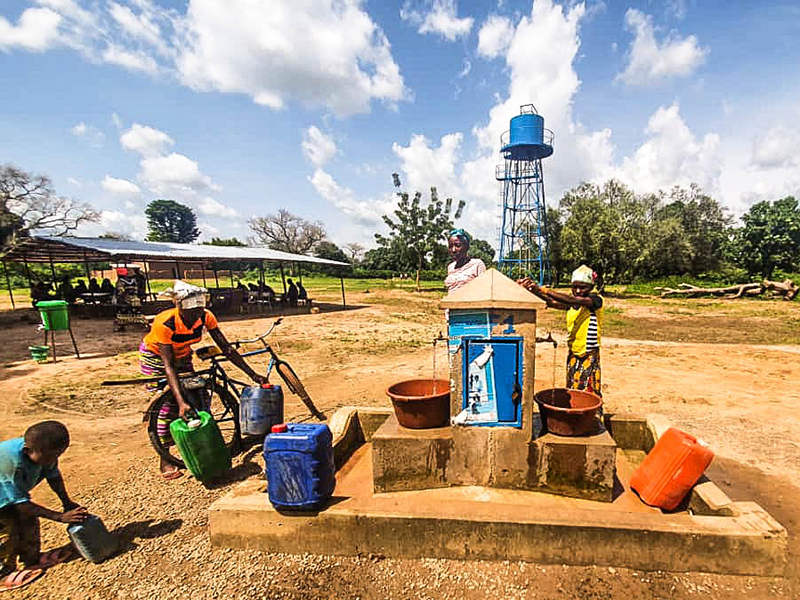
{"type": "Point", "coordinates": [548, 340]}
{"type": "Point", "coordinates": [439, 338]}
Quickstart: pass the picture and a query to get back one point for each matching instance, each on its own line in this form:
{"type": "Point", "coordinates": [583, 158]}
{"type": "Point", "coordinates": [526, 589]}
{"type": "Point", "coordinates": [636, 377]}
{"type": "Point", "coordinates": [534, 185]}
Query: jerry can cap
{"type": "Point", "coordinates": [194, 423]}
{"type": "Point", "coordinates": [267, 386]}
{"type": "Point", "coordinates": [280, 428]}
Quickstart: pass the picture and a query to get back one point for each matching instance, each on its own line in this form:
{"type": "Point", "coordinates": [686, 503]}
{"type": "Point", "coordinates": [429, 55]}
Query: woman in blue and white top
{"type": "Point", "coordinates": [584, 326]}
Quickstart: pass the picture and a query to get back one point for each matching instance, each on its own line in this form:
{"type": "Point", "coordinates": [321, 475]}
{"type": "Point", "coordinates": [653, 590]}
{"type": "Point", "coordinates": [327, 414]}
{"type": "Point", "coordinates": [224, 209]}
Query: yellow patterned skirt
{"type": "Point", "coordinates": [583, 372]}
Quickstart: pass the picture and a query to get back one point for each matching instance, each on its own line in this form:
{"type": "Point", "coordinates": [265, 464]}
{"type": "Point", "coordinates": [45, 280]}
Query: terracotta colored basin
{"type": "Point", "coordinates": [421, 403]}
{"type": "Point", "coordinates": [568, 412]}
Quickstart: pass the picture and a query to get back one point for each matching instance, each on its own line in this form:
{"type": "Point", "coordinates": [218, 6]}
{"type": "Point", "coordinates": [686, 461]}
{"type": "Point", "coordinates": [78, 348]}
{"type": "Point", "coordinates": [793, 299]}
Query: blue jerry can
{"type": "Point", "coordinates": [299, 465]}
{"type": "Point", "coordinates": [260, 407]}
{"type": "Point", "coordinates": [93, 541]}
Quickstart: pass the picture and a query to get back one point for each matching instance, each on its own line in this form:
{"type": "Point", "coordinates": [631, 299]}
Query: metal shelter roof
{"type": "Point", "coordinates": [74, 249]}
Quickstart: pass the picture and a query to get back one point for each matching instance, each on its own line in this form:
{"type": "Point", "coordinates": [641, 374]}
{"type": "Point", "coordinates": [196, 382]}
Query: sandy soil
{"type": "Point", "coordinates": [743, 399]}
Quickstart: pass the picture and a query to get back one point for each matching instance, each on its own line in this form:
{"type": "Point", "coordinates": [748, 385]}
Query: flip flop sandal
{"type": "Point", "coordinates": [19, 579]}
{"type": "Point", "coordinates": [54, 557]}
{"type": "Point", "coordinates": [170, 475]}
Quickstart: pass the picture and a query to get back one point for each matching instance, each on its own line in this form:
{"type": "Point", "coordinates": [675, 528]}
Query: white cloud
{"type": "Point", "coordinates": [495, 36]}
{"type": "Point", "coordinates": [145, 140]}
{"type": "Point", "coordinates": [318, 147]}
{"type": "Point", "coordinates": [365, 212]}
{"type": "Point", "coordinates": [134, 225]}
{"type": "Point", "coordinates": [437, 17]}
{"type": "Point", "coordinates": [75, 182]}
{"type": "Point", "coordinates": [138, 26]}
{"type": "Point", "coordinates": [211, 207]}
{"type": "Point", "coordinates": [676, 8]}
{"type": "Point", "coordinates": [425, 166]}
{"type": "Point", "coordinates": [319, 53]}
{"type": "Point", "coordinates": [122, 188]}
{"type": "Point", "coordinates": [650, 60]}
{"type": "Point", "coordinates": [465, 69]}
{"type": "Point", "coordinates": [116, 120]}
{"type": "Point", "coordinates": [36, 30]}
{"type": "Point", "coordinates": [672, 156]}
{"type": "Point", "coordinates": [174, 175]}
{"type": "Point", "coordinates": [90, 133]}
{"type": "Point", "coordinates": [207, 231]}
{"type": "Point", "coordinates": [777, 147]}
{"type": "Point", "coordinates": [134, 60]}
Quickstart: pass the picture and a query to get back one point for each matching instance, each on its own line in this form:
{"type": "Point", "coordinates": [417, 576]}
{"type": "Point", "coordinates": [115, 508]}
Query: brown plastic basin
{"type": "Point", "coordinates": [421, 403]}
{"type": "Point", "coordinates": [569, 412]}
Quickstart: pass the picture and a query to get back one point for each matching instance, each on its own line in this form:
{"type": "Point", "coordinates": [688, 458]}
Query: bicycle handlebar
{"type": "Point", "coordinates": [262, 336]}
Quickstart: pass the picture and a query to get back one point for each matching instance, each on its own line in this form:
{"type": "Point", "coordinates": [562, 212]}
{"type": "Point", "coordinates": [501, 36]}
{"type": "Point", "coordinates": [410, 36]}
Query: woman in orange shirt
{"type": "Point", "coordinates": [167, 350]}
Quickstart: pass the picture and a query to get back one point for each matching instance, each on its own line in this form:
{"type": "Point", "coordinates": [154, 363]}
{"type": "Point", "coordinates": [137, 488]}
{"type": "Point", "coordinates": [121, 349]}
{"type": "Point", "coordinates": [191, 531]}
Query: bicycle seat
{"type": "Point", "coordinates": [207, 352]}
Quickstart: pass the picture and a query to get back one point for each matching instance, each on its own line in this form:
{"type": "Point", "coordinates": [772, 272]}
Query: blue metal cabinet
{"type": "Point", "coordinates": [492, 380]}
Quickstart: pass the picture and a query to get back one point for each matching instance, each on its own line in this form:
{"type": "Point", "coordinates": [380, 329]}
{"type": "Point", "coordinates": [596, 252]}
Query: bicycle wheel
{"type": "Point", "coordinates": [223, 408]}
{"type": "Point", "coordinates": [297, 388]}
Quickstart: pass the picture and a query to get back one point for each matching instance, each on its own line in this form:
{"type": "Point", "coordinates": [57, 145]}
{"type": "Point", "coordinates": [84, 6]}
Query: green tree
{"type": "Point", "coordinates": [555, 253]}
{"type": "Point", "coordinates": [606, 228]}
{"type": "Point", "coordinates": [170, 221]}
{"type": "Point", "coordinates": [703, 223]}
{"type": "Point", "coordinates": [330, 251]}
{"type": "Point", "coordinates": [215, 241]}
{"type": "Point", "coordinates": [417, 233]}
{"type": "Point", "coordinates": [482, 249]}
{"type": "Point", "coordinates": [28, 202]}
{"type": "Point", "coordinates": [770, 237]}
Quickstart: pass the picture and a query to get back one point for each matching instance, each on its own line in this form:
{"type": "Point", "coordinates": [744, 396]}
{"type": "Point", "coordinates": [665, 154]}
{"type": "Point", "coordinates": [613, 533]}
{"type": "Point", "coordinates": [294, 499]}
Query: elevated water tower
{"type": "Point", "coordinates": [524, 248]}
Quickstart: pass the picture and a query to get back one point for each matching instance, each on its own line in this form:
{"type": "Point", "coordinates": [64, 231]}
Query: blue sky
{"type": "Point", "coordinates": [240, 108]}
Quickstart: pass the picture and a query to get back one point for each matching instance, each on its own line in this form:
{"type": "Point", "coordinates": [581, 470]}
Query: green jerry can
{"type": "Point", "coordinates": [201, 446]}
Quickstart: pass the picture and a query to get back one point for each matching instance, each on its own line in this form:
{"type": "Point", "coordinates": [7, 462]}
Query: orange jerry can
{"type": "Point", "coordinates": [671, 468]}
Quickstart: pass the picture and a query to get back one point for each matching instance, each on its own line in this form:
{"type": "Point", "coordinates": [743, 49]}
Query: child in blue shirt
{"type": "Point", "coordinates": [24, 462]}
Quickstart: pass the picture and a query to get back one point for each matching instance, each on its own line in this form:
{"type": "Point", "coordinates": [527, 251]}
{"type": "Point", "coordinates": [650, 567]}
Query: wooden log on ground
{"type": "Point", "coordinates": [786, 289]}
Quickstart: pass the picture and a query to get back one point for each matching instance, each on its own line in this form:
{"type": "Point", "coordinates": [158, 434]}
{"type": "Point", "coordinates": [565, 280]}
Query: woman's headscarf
{"type": "Point", "coordinates": [185, 294]}
{"type": "Point", "coordinates": [584, 274]}
{"type": "Point", "coordinates": [461, 234]}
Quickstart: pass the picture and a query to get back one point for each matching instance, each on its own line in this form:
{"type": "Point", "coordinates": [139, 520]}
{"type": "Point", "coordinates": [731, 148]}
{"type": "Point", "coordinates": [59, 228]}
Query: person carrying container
{"type": "Point", "coordinates": [24, 462]}
{"type": "Point", "coordinates": [167, 350]}
{"type": "Point", "coordinates": [584, 326]}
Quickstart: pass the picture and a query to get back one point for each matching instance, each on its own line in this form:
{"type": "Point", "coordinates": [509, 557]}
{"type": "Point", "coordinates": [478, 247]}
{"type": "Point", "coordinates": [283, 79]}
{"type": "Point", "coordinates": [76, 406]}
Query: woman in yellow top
{"type": "Point", "coordinates": [167, 350]}
{"type": "Point", "coordinates": [584, 324]}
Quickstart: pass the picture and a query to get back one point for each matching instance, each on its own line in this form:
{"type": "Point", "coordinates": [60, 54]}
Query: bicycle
{"type": "Point", "coordinates": [214, 391]}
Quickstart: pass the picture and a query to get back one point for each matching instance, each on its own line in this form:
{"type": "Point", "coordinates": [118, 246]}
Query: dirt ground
{"type": "Point", "coordinates": [742, 398]}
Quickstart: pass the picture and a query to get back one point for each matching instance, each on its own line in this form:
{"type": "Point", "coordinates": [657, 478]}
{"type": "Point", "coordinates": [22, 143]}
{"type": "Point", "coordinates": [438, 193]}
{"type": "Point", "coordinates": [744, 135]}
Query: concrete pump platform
{"type": "Point", "coordinates": [711, 533]}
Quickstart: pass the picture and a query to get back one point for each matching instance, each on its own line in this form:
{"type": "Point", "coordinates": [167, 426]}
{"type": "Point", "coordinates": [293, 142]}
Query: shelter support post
{"type": "Point", "coordinates": [283, 278]}
{"type": "Point", "coordinates": [8, 282]}
{"type": "Point", "coordinates": [53, 272]}
{"type": "Point", "coordinates": [203, 271]}
{"type": "Point", "coordinates": [216, 277]}
{"type": "Point", "coordinates": [86, 267]}
{"type": "Point", "coordinates": [344, 300]}
{"type": "Point", "coordinates": [178, 270]}
{"type": "Point", "coordinates": [27, 270]}
{"type": "Point", "coordinates": [300, 272]}
{"type": "Point", "coordinates": [231, 272]}
{"type": "Point", "coordinates": [147, 279]}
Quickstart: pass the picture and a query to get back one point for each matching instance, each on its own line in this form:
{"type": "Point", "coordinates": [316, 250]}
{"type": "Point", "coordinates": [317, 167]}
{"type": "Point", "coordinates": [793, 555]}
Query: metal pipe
{"type": "Point", "coordinates": [53, 273]}
{"type": "Point", "coordinates": [344, 300]}
{"type": "Point", "coordinates": [147, 279]}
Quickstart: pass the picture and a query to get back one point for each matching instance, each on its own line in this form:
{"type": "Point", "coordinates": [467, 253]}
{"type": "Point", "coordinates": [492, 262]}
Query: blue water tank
{"type": "Point", "coordinates": [299, 462]}
{"type": "Point", "coordinates": [93, 541]}
{"type": "Point", "coordinates": [261, 407]}
{"type": "Point", "coordinates": [527, 138]}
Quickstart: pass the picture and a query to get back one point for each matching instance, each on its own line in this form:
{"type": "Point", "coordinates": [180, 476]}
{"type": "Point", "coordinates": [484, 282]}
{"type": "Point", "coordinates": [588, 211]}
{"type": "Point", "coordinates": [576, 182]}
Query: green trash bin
{"type": "Point", "coordinates": [55, 314]}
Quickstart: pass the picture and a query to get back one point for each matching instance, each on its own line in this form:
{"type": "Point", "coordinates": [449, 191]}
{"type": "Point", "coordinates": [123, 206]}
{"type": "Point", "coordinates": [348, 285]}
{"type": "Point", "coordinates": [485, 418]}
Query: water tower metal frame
{"type": "Point", "coordinates": [524, 245]}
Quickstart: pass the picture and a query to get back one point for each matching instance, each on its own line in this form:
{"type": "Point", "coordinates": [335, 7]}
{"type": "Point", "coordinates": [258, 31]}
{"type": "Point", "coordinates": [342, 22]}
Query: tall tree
{"type": "Point", "coordinates": [29, 202]}
{"type": "Point", "coordinates": [416, 232]}
{"type": "Point", "coordinates": [355, 250]}
{"type": "Point", "coordinates": [330, 251]}
{"type": "Point", "coordinates": [770, 237]}
{"type": "Point", "coordinates": [170, 221]}
{"type": "Point", "coordinates": [287, 232]}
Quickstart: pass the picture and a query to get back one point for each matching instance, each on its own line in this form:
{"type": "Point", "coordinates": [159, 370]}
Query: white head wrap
{"type": "Point", "coordinates": [185, 294]}
{"type": "Point", "coordinates": [583, 274]}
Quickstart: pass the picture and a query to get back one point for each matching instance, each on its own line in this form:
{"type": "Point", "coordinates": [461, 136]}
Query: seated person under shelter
{"type": "Point", "coordinates": [94, 287]}
{"type": "Point", "coordinates": [40, 292]}
{"type": "Point", "coordinates": [107, 287]}
{"type": "Point", "coordinates": [302, 294]}
{"type": "Point", "coordinates": [290, 298]}
{"type": "Point", "coordinates": [24, 462]}
{"type": "Point", "coordinates": [80, 288]}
